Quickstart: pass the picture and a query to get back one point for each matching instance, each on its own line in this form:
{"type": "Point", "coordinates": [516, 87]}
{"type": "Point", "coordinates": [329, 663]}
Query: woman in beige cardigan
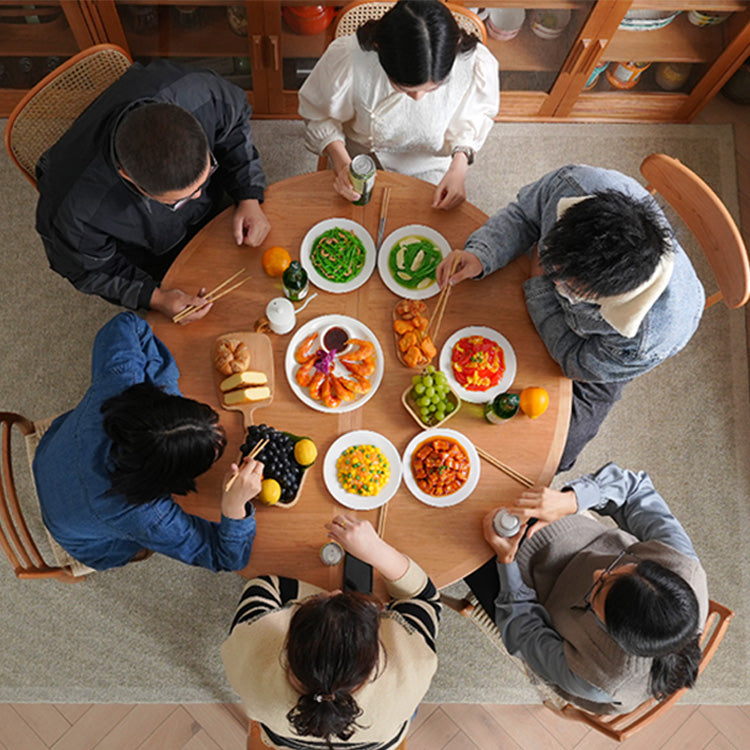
{"type": "Point", "coordinates": [323, 669]}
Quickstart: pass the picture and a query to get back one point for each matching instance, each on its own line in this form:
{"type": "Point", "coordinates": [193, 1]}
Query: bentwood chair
{"type": "Point", "coordinates": [615, 726]}
{"type": "Point", "coordinates": [15, 538]}
{"type": "Point", "coordinates": [51, 106]}
{"type": "Point", "coordinates": [710, 222]}
{"type": "Point", "coordinates": [353, 15]}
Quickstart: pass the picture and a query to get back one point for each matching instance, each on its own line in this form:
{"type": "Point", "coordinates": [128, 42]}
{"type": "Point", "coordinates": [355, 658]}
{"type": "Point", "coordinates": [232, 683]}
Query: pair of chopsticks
{"type": "Point", "coordinates": [381, 518]}
{"type": "Point", "coordinates": [257, 448]}
{"type": "Point", "coordinates": [212, 296]}
{"type": "Point", "coordinates": [498, 464]}
{"type": "Point", "coordinates": [437, 316]}
{"type": "Point", "coordinates": [384, 203]}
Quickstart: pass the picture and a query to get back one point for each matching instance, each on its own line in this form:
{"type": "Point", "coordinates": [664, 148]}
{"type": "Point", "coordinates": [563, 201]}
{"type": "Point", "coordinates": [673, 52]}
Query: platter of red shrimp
{"type": "Point", "coordinates": [332, 375]}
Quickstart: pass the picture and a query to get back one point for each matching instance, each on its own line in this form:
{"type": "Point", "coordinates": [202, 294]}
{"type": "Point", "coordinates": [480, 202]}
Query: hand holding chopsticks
{"type": "Point", "coordinates": [437, 316]}
{"type": "Point", "coordinates": [212, 296]}
{"type": "Point", "coordinates": [257, 448]}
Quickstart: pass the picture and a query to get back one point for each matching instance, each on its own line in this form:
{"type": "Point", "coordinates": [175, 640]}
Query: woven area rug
{"type": "Point", "coordinates": [151, 632]}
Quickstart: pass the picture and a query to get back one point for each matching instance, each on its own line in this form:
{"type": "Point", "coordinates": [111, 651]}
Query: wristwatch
{"type": "Point", "coordinates": [464, 150]}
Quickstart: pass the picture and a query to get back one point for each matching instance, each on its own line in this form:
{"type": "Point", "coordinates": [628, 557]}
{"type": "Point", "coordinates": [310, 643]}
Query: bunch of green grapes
{"type": "Point", "coordinates": [431, 392]}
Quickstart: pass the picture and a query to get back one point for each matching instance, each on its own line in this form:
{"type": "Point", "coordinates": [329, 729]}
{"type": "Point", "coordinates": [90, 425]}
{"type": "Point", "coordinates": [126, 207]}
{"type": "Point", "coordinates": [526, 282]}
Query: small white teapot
{"type": "Point", "coordinates": [281, 314]}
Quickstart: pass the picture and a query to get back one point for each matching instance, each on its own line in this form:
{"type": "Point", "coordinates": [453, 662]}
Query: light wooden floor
{"type": "Point", "coordinates": [436, 727]}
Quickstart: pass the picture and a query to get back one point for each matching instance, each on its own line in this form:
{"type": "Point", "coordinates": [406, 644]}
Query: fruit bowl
{"type": "Point", "coordinates": [410, 404]}
{"type": "Point", "coordinates": [430, 384]}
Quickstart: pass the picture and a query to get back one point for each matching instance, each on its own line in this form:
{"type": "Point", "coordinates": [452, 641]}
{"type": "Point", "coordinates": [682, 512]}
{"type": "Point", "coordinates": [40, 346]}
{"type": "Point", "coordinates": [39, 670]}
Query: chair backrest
{"type": "Point", "coordinates": [353, 15]}
{"type": "Point", "coordinates": [621, 726]}
{"type": "Point", "coordinates": [15, 538]}
{"type": "Point", "coordinates": [50, 108]}
{"type": "Point", "coordinates": [255, 742]}
{"type": "Point", "coordinates": [709, 220]}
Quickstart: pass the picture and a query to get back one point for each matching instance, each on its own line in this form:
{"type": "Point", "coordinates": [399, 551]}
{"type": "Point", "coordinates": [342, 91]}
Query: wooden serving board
{"type": "Point", "coordinates": [261, 358]}
{"type": "Point", "coordinates": [413, 408]}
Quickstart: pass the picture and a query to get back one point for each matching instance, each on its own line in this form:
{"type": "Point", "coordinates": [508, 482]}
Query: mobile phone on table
{"type": "Point", "coordinates": [357, 575]}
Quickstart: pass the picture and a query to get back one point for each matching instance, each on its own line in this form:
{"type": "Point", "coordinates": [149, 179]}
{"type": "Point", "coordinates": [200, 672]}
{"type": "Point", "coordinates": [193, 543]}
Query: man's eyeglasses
{"type": "Point", "coordinates": [178, 204]}
{"type": "Point", "coordinates": [586, 606]}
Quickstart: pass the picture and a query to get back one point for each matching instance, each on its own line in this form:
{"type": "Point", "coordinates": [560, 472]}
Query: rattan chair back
{"type": "Point", "coordinates": [353, 15]}
{"type": "Point", "coordinates": [50, 108]}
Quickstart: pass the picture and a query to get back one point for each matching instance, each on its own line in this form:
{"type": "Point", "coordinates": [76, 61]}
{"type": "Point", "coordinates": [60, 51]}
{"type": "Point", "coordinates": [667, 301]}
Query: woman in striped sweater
{"type": "Point", "coordinates": [322, 669]}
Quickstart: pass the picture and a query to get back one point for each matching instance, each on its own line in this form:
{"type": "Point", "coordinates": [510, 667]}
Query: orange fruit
{"type": "Point", "coordinates": [276, 260]}
{"type": "Point", "coordinates": [534, 401]}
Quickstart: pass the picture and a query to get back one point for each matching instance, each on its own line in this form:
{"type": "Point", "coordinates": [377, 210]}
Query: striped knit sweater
{"type": "Point", "coordinates": [254, 660]}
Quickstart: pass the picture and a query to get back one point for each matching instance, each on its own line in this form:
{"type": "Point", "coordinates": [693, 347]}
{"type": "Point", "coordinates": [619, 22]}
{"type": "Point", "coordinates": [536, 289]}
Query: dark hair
{"type": "Point", "coordinates": [332, 648]}
{"type": "Point", "coordinates": [160, 442]}
{"type": "Point", "coordinates": [607, 244]}
{"type": "Point", "coordinates": [654, 612]}
{"type": "Point", "coordinates": [161, 147]}
{"type": "Point", "coordinates": [416, 41]}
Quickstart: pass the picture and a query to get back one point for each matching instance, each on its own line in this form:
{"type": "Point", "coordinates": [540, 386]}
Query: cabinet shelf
{"type": "Point", "coordinates": [530, 53]}
{"type": "Point", "coordinates": [38, 40]}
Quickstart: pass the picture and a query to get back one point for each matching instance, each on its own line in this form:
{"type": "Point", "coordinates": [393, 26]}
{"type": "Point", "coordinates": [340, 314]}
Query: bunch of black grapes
{"type": "Point", "coordinates": [277, 457]}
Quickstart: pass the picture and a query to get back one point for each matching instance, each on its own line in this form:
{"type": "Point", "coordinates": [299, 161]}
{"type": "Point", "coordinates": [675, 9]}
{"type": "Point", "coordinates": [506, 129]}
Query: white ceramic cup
{"type": "Point", "coordinates": [281, 315]}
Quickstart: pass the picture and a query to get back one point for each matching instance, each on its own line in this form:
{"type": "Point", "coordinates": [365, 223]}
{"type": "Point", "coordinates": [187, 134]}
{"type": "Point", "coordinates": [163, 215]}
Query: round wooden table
{"type": "Point", "coordinates": [447, 542]}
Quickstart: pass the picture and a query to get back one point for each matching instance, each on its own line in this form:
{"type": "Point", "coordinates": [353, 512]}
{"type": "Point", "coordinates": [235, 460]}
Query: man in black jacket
{"type": "Point", "coordinates": [142, 169]}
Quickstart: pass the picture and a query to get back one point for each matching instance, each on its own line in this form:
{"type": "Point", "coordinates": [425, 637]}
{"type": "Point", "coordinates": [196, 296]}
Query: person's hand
{"type": "Point", "coordinates": [545, 504]}
{"type": "Point", "coordinates": [341, 160]}
{"type": "Point", "coordinates": [451, 190]}
{"type": "Point", "coordinates": [171, 301]}
{"type": "Point", "coordinates": [536, 269]}
{"type": "Point", "coordinates": [250, 225]}
{"type": "Point", "coordinates": [503, 546]}
{"type": "Point", "coordinates": [467, 267]}
{"type": "Point", "coordinates": [360, 539]}
{"type": "Point", "coordinates": [246, 485]}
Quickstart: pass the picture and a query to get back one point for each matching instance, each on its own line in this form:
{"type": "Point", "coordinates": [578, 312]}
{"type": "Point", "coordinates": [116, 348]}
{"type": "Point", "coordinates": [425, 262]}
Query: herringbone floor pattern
{"type": "Point", "coordinates": [456, 726]}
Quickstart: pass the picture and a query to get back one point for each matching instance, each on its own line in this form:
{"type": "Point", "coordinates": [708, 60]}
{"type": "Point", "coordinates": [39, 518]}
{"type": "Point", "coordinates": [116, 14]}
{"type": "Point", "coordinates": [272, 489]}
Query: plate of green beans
{"type": "Point", "coordinates": [338, 255]}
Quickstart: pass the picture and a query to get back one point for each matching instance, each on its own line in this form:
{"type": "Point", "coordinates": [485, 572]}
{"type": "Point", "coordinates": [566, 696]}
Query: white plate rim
{"type": "Point", "coordinates": [320, 281]}
{"type": "Point", "coordinates": [362, 437]}
{"type": "Point", "coordinates": [385, 272]}
{"type": "Point", "coordinates": [321, 323]}
{"type": "Point", "coordinates": [511, 363]}
{"type": "Point", "coordinates": [443, 501]}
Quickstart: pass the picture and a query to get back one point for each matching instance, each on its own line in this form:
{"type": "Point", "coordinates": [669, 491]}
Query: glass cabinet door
{"type": "Point", "coordinates": [207, 35]}
{"type": "Point", "coordinates": [663, 58]}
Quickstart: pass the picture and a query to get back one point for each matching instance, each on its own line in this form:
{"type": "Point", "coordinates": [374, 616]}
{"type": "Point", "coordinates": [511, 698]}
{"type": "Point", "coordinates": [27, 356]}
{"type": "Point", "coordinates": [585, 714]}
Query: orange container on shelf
{"type": "Point", "coordinates": [625, 75]}
{"type": "Point", "coordinates": [308, 19]}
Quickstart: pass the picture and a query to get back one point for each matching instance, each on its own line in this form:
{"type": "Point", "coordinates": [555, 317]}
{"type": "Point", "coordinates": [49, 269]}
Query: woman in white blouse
{"type": "Point", "coordinates": [413, 89]}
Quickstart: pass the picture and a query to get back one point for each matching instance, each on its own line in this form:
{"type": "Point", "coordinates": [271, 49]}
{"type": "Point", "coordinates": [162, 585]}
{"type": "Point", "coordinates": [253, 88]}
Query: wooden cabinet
{"type": "Point", "coordinates": [541, 78]}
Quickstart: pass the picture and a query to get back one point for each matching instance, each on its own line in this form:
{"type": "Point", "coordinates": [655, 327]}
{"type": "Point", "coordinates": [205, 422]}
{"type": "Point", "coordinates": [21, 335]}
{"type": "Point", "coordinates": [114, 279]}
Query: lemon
{"type": "Point", "coordinates": [270, 492]}
{"type": "Point", "coordinates": [534, 401]}
{"type": "Point", "coordinates": [305, 452]}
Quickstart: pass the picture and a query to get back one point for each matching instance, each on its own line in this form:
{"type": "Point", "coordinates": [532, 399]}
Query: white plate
{"type": "Point", "coordinates": [441, 501]}
{"type": "Point", "coordinates": [321, 281]}
{"type": "Point", "coordinates": [320, 324]}
{"type": "Point", "coordinates": [385, 251]}
{"type": "Point", "coordinates": [479, 397]}
{"type": "Point", "coordinates": [349, 499]}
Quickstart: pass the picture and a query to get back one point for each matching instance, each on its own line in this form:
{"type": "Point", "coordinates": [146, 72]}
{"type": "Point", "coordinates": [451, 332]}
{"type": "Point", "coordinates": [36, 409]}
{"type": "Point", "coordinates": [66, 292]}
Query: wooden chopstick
{"type": "Point", "coordinates": [498, 464]}
{"type": "Point", "coordinates": [208, 298]}
{"type": "Point", "coordinates": [190, 309]}
{"type": "Point", "coordinates": [381, 519]}
{"type": "Point", "coordinates": [259, 446]}
{"type": "Point", "coordinates": [384, 203]}
{"type": "Point", "coordinates": [437, 315]}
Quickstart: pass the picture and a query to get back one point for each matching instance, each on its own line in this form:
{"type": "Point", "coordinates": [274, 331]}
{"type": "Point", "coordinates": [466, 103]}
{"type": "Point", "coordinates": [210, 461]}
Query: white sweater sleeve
{"type": "Point", "coordinates": [473, 119]}
{"type": "Point", "coordinates": [325, 99]}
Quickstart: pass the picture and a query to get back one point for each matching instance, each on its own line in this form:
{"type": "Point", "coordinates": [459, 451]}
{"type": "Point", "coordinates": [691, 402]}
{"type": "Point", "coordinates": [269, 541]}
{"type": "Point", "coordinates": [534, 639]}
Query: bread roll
{"type": "Point", "coordinates": [232, 355]}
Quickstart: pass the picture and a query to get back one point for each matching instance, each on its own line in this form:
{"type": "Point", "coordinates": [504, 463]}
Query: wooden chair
{"type": "Point", "coordinates": [15, 538]}
{"type": "Point", "coordinates": [353, 15]}
{"type": "Point", "coordinates": [254, 741]}
{"type": "Point", "coordinates": [710, 222]}
{"type": "Point", "coordinates": [615, 726]}
{"type": "Point", "coordinates": [49, 108]}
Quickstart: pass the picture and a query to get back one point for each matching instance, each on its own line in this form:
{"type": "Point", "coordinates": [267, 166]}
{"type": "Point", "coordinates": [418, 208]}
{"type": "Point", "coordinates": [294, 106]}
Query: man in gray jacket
{"type": "Point", "coordinates": [140, 171]}
{"type": "Point", "coordinates": [611, 292]}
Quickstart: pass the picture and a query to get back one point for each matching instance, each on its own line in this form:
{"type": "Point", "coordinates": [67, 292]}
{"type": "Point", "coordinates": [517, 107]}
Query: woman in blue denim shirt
{"type": "Point", "coordinates": [105, 500]}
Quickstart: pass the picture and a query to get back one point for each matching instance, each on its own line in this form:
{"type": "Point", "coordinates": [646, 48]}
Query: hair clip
{"type": "Point", "coordinates": [322, 698]}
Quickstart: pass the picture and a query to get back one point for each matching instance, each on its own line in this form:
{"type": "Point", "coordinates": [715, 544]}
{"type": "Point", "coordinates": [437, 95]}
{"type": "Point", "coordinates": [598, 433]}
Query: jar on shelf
{"type": "Point", "coordinates": [549, 23]}
{"type": "Point", "coordinates": [145, 18]}
{"type": "Point", "coordinates": [595, 73]}
{"type": "Point", "coordinates": [672, 76]}
{"type": "Point", "coordinates": [626, 75]}
{"type": "Point", "coordinates": [504, 24]}
{"type": "Point", "coordinates": [707, 17]}
{"type": "Point", "coordinates": [308, 19]}
{"type": "Point", "coordinates": [237, 19]}
{"type": "Point", "coordinates": [188, 16]}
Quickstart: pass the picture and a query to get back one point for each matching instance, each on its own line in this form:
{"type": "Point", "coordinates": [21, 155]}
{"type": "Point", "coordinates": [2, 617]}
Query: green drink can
{"type": "Point", "coordinates": [362, 177]}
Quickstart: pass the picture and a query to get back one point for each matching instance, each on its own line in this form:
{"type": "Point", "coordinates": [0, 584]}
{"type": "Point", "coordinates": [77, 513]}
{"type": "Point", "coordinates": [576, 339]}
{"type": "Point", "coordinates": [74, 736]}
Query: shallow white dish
{"type": "Point", "coordinates": [320, 324]}
{"type": "Point", "coordinates": [479, 397]}
{"type": "Point", "coordinates": [441, 501]}
{"type": "Point", "coordinates": [385, 252]}
{"type": "Point", "coordinates": [321, 281]}
{"type": "Point", "coordinates": [362, 437]}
